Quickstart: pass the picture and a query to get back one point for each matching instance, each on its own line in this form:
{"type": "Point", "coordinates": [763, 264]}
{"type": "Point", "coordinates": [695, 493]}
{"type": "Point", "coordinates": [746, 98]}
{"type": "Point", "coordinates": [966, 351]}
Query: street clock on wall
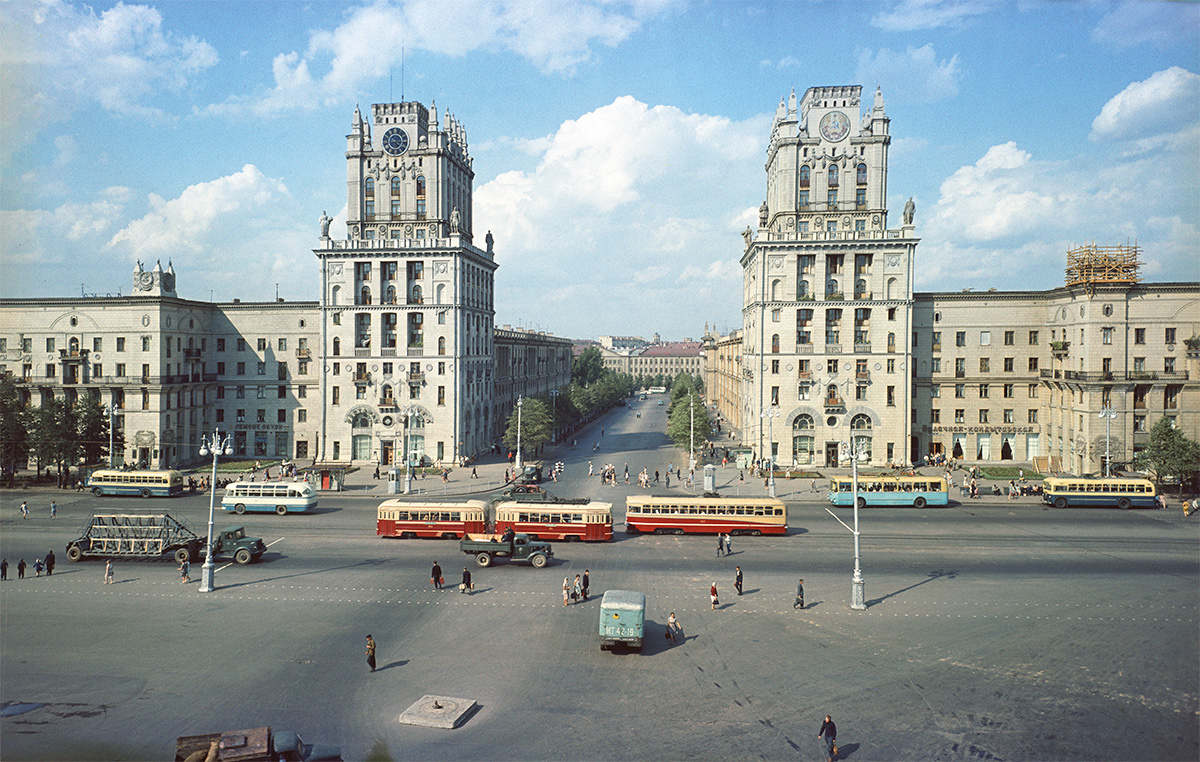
{"type": "Point", "coordinates": [395, 141]}
{"type": "Point", "coordinates": [834, 126]}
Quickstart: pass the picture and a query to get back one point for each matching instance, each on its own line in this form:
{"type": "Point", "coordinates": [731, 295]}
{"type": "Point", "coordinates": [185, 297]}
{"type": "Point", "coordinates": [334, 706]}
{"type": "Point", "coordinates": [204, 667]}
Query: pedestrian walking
{"type": "Point", "coordinates": [53, 509]}
{"type": "Point", "coordinates": [108, 572]}
{"type": "Point", "coordinates": [185, 569]}
{"type": "Point", "coordinates": [3, 569]}
{"type": "Point", "coordinates": [799, 595]}
{"type": "Point", "coordinates": [668, 478]}
{"type": "Point", "coordinates": [712, 593]}
{"type": "Point", "coordinates": [24, 509]}
{"type": "Point", "coordinates": [474, 475]}
{"type": "Point", "coordinates": [737, 579]}
{"type": "Point", "coordinates": [37, 567]}
{"type": "Point", "coordinates": [728, 544]}
{"type": "Point", "coordinates": [591, 470]}
{"type": "Point", "coordinates": [741, 478]}
{"type": "Point", "coordinates": [566, 591]}
{"type": "Point", "coordinates": [720, 545]}
{"type": "Point", "coordinates": [586, 583]}
{"type": "Point", "coordinates": [466, 586]}
{"type": "Point", "coordinates": [49, 563]}
{"type": "Point", "coordinates": [656, 476]}
{"type": "Point", "coordinates": [828, 733]}
{"type": "Point", "coordinates": [576, 590]}
{"type": "Point", "coordinates": [21, 569]}
{"type": "Point", "coordinates": [371, 652]}
{"type": "Point", "coordinates": [673, 628]}
{"type": "Point", "coordinates": [435, 576]}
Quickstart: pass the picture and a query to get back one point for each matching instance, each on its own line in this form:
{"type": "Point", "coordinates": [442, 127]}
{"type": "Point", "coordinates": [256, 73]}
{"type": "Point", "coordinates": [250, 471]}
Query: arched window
{"type": "Point", "coordinates": [831, 394]}
{"type": "Point", "coordinates": [391, 294]}
{"type": "Point", "coordinates": [775, 290]}
{"type": "Point", "coordinates": [833, 176]}
{"type": "Point", "coordinates": [395, 196]}
{"type": "Point", "coordinates": [891, 342]}
{"type": "Point", "coordinates": [891, 285]}
{"type": "Point", "coordinates": [366, 295]}
{"type": "Point", "coordinates": [420, 198]}
{"type": "Point", "coordinates": [860, 434]}
{"type": "Point", "coordinates": [831, 287]}
{"type": "Point", "coordinates": [861, 422]}
{"type": "Point", "coordinates": [802, 440]}
{"type": "Point", "coordinates": [361, 421]}
{"type": "Point", "coordinates": [802, 289]}
{"type": "Point", "coordinates": [73, 345]}
{"type": "Point", "coordinates": [441, 345]}
{"type": "Point", "coordinates": [386, 393]}
{"type": "Point", "coordinates": [862, 174]}
{"type": "Point", "coordinates": [337, 346]}
{"type": "Point", "coordinates": [775, 344]}
{"type": "Point", "coordinates": [804, 175]}
{"type": "Point", "coordinates": [416, 295]}
{"type": "Point", "coordinates": [335, 294]}
{"type": "Point", "coordinates": [439, 293]}
{"type": "Point", "coordinates": [369, 198]}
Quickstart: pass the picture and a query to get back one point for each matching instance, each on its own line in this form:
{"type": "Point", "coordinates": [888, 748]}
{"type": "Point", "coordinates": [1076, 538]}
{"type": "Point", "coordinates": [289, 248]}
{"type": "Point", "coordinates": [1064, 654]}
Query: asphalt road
{"type": "Point", "coordinates": [994, 631]}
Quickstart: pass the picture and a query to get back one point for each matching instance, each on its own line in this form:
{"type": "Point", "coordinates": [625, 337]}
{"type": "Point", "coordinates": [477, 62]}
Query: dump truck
{"type": "Point", "coordinates": [515, 547]}
{"type": "Point", "coordinates": [252, 745]}
{"type": "Point", "coordinates": [152, 535]}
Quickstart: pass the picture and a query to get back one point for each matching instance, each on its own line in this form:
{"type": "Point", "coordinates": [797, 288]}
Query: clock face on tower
{"type": "Point", "coordinates": [395, 141]}
{"type": "Point", "coordinates": [834, 126]}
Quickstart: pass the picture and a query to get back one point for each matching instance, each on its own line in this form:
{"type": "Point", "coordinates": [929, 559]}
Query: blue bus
{"type": "Point", "coordinates": [1074, 491]}
{"type": "Point", "coordinates": [917, 491]}
{"type": "Point", "coordinates": [144, 483]}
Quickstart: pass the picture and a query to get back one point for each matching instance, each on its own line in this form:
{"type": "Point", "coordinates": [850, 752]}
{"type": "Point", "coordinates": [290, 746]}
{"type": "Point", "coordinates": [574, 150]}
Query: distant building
{"type": "Point", "coordinates": [669, 358]}
{"type": "Point", "coordinates": [723, 374]}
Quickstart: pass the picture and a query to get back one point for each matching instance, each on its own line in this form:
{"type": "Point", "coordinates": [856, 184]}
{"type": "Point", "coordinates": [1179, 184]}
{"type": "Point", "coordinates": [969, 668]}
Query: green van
{"type": "Point", "coordinates": [622, 619]}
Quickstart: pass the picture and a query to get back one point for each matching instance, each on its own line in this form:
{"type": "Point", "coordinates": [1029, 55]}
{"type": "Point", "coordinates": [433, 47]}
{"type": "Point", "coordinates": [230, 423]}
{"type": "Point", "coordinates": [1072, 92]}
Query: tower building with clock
{"type": "Point", "coordinates": [406, 298]}
{"type": "Point", "coordinates": [827, 289]}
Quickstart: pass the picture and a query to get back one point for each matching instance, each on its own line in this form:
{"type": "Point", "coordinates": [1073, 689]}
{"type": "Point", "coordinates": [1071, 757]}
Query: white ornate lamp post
{"type": "Point", "coordinates": [771, 414]}
{"type": "Point", "coordinates": [1108, 414]}
{"type": "Point", "coordinates": [517, 469]}
{"type": "Point", "coordinates": [856, 452]}
{"type": "Point", "coordinates": [554, 414]}
{"type": "Point", "coordinates": [216, 447]}
{"type": "Point", "coordinates": [408, 413]}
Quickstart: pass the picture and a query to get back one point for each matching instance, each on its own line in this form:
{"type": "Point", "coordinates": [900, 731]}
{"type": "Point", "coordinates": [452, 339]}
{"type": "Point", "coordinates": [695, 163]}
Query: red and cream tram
{"type": "Point", "coordinates": [674, 514]}
{"type": "Point", "coordinates": [399, 518]}
{"type": "Point", "coordinates": [589, 521]}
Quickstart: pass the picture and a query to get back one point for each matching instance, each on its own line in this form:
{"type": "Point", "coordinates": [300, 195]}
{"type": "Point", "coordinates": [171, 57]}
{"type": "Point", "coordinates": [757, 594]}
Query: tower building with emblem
{"type": "Point", "coordinates": [827, 289]}
{"type": "Point", "coordinates": [406, 298]}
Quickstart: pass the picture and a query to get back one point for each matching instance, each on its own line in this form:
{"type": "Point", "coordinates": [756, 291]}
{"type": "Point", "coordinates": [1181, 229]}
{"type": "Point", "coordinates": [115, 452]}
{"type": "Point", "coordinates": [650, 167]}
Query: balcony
{"type": "Point", "coordinates": [362, 378]}
{"type": "Point", "coordinates": [833, 349]}
{"type": "Point", "coordinates": [835, 296]}
{"type": "Point", "coordinates": [416, 378]}
{"type": "Point", "coordinates": [362, 352]}
{"type": "Point", "coordinates": [1059, 348]}
{"type": "Point", "coordinates": [387, 403]}
{"type": "Point", "coordinates": [832, 403]}
{"type": "Point", "coordinates": [862, 347]}
{"type": "Point", "coordinates": [864, 295]}
{"type": "Point", "coordinates": [960, 374]}
{"type": "Point", "coordinates": [863, 375]}
{"type": "Point", "coordinates": [304, 353]}
{"type": "Point", "coordinates": [191, 354]}
{"type": "Point", "coordinates": [804, 349]}
{"type": "Point", "coordinates": [937, 346]}
{"type": "Point", "coordinates": [804, 374]}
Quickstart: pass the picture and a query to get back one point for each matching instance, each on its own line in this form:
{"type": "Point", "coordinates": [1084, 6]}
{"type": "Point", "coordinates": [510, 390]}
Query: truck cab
{"type": "Point", "coordinates": [233, 541]}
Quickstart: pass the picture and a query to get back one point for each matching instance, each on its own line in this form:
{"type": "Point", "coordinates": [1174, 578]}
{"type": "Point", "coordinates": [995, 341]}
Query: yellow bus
{"type": "Point", "coordinates": [144, 483]}
{"type": "Point", "coordinates": [1076, 491]}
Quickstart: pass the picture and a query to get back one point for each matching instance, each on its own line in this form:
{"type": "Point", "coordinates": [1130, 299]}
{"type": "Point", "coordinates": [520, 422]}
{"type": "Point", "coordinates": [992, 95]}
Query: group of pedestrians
{"type": "Point", "coordinates": [25, 509]}
{"type": "Point", "coordinates": [466, 587]}
{"type": "Point", "coordinates": [724, 545]}
{"type": "Point", "coordinates": [39, 564]}
{"type": "Point", "coordinates": [577, 591]}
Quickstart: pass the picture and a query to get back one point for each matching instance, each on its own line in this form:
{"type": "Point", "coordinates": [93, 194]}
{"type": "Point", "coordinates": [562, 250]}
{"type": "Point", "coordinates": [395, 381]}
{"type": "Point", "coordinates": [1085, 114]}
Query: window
{"type": "Point", "coordinates": [241, 369]}
{"type": "Point", "coordinates": [262, 392]}
{"type": "Point", "coordinates": [220, 415]}
{"type": "Point", "coordinates": [1169, 337]}
{"type": "Point", "coordinates": [891, 366]}
{"type": "Point", "coordinates": [441, 394]}
{"type": "Point", "coordinates": [861, 174]}
{"type": "Point", "coordinates": [774, 395]}
{"type": "Point", "coordinates": [336, 398]}
{"type": "Point", "coordinates": [262, 415]}
{"type": "Point", "coordinates": [262, 345]}
{"type": "Point", "coordinates": [282, 345]}
{"type": "Point", "coordinates": [860, 391]}
{"type": "Point", "coordinates": [145, 343]}
{"type": "Point", "coordinates": [1168, 364]}
{"type": "Point", "coordinates": [983, 416]}
{"type": "Point", "coordinates": [1033, 391]}
{"type": "Point", "coordinates": [281, 392]}
{"type": "Point", "coordinates": [833, 176]}
{"type": "Point", "coordinates": [960, 415]}
{"type": "Point", "coordinates": [301, 392]}
{"type": "Point", "coordinates": [262, 369]}
{"type": "Point", "coordinates": [240, 392]}
{"type": "Point", "coordinates": [1139, 364]}
{"type": "Point", "coordinates": [1009, 391]}
{"type": "Point", "coordinates": [935, 390]}
{"type": "Point", "coordinates": [935, 365]}
{"type": "Point", "coordinates": [985, 364]}
{"type": "Point", "coordinates": [985, 338]}
{"type": "Point", "coordinates": [774, 366]}
{"type": "Point", "coordinates": [1009, 338]}
{"type": "Point", "coordinates": [1139, 335]}
{"type": "Point", "coordinates": [241, 345]}
{"type": "Point", "coordinates": [937, 341]}
{"type": "Point", "coordinates": [983, 391]}
{"type": "Point", "coordinates": [891, 396]}
{"type": "Point", "coordinates": [1033, 364]}
{"type": "Point", "coordinates": [1171, 398]}
{"type": "Point", "coordinates": [960, 390]}
{"type": "Point", "coordinates": [1139, 423]}
{"type": "Point", "coordinates": [1033, 415]}
{"type": "Point", "coordinates": [301, 415]}
{"type": "Point", "coordinates": [805, 174]}
{"type": "Point", "coordinates": [220, 344]}
{"type": "Point", "coordinates": [97, 370]}
{"type": "Point", "coordinates": [1106, 335]}
{"type": "Point", "coordinates": [935, 416]}
{"type": "Point", "coordinates": [1033, 337]}
{"type": "Point", "coordinates": [241, 416]}
{"type": "Point", "coordinates": [960, 367]}
{"type": "Point", "coordinates": [960, 338]}
{"type": "Point", "coordinates": [302, 368]}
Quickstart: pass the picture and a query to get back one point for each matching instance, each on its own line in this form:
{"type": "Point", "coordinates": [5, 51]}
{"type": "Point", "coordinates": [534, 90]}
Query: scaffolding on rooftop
{"type": "Point", "coordinates": [1090, 265]}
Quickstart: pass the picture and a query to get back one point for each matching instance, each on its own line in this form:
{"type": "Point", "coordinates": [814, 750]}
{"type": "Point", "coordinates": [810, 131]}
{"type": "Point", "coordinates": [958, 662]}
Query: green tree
{"type": "Point", "coordinates": [535, 425]}
{"type": "Point", "coordinates": [55, 433]}
{"type": "Point", "coordinates": [588, 367]}
{"type": "Point", "coordinates": [14, 430]}
{"type": "Point", "coordinates": [1169, 453]}
{"type": "Point", "coordinates": [680, 427]}
{"type": "Point", "coordinates": [93, 433]}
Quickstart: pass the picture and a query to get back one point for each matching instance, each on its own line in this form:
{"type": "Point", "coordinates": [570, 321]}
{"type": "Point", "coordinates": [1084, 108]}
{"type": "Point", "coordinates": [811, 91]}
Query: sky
{"type": "Point", "coordinates": [618, 145]}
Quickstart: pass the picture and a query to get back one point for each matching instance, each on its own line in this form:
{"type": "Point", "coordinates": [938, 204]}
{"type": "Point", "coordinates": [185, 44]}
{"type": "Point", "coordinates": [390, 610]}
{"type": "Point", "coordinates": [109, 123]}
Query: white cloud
{"type": "Point", "coordinates": [914, 74]}
{"type": "Point", "coordinates": [187, 223]}
{"type": "Point", "coordinates": [556, 36]}
{"type": "Point", "coordinates": [646, 199]}
{"type": "Point", "coordinates": [118, 60]}
{"type": "Point", "coordinates": [1166, 102]}
{"type": "Point", "coordinates": [909, 15]}
{"type": "Point", "coordinates": [1135, 23]}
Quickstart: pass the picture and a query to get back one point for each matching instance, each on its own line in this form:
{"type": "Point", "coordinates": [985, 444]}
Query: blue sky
{"type": "Point", "coordinates": [618, 146]}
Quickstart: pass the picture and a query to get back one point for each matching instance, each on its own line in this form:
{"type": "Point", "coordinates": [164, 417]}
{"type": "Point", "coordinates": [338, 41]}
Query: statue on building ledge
{"type": "Point", "coordinates": [909, 210]}
{"type": "Point", "coordinates": [762, 215]}
{"type": "Point", "coordinates": [748, 234]}
{"type": "Point", "coordinates": [454, 221]}
{"type": "Point", "coordinates": [325, 220]}
{"type": "Point", "coordinates": [490, 241]}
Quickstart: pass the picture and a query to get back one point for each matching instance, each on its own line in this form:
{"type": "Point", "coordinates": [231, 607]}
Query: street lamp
{"type": "Point", "coordinates": [216, 447]}
{"type": "Point", "coordinates": [1108, 414]}
{"type": "Point", "coordinates": [517, 468]}
{"type": "Point", "coordinates": [856, 452]}
{"type": "Point", "coordinates": [554, 414]}
{"type": "Point", "coordinates": [408, 413]}
{"type": "Point", "coordinates": [111, 413]}
{"type": "Point", "coordinates": [692, 433]}
{"type": "Point", "coordinates": [771, 415]}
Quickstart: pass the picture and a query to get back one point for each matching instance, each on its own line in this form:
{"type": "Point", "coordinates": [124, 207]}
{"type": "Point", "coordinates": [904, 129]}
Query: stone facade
{"type": "Point", "coordinates": [827, 289]}
{"type": "Point", "coordinates": [528, 363]}
{"type": "Point", "coordinates": [723, 375]}
{"type": "Point", "coordinates": [669, 358]}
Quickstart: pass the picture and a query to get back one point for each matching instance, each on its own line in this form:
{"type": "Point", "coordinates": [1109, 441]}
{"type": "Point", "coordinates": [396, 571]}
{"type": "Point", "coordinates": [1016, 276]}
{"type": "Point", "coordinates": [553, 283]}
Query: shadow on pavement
{"type": "Point", "coordinates": [933, 575]}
